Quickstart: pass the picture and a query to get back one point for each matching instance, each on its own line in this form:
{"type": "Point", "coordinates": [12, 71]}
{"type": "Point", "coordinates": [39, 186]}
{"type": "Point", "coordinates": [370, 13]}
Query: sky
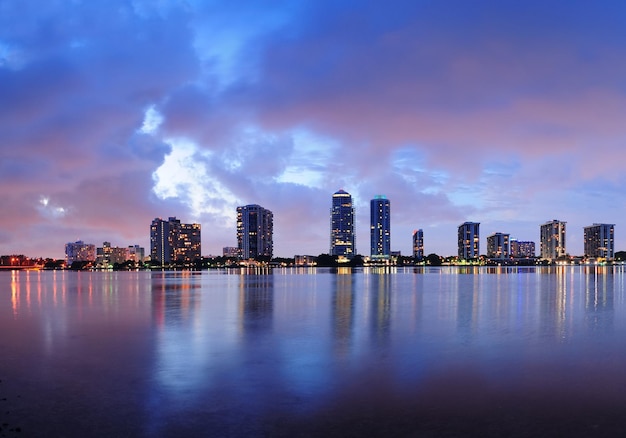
{"type": "Point", "coordinates": [113, 113]}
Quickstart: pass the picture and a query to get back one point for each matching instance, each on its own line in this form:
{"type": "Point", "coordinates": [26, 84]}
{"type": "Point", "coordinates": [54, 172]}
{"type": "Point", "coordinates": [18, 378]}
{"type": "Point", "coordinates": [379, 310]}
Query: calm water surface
{"type": "Point", "coordinates": [295, 352]}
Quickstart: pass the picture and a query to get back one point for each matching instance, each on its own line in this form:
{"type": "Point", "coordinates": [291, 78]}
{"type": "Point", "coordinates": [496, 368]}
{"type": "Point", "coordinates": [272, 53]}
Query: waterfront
{"type": "Point", "coordinates": [304, 352]}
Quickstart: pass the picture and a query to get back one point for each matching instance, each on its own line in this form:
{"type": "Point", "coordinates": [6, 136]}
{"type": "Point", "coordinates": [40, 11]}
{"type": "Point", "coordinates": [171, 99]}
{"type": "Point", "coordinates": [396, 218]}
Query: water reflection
{"type": "Point", "coordinates": [343, 299]}
{"type": "Point", "coordinates": [256, 303]}
{"type": "Point", "coordinates": [242, 352]}
{"type": "Point", "coordinates": [380, 288]}
{"type": "Point", "coordinates": [599, 298]}
{"type": "Point", "coordinates": [467, 307]}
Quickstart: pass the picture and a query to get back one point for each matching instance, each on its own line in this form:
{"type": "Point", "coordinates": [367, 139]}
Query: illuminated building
{"type": "Point", "coordinates": [255, 231]}
{"type": "Point", "coordinates": [342, 237]}
{"type": "Point", "coordinates": [380, 228]}
{"type": "Point", "coordinates": [552, 242]}
{"type": "Point", "coordinates": [522, 248]}
{"type": "Point", "coordinates": [599, 240]}
{"type": "Point", "coordinates": [136, 253]}
{"type": "Point", "coordinates": [80, 252]}
{"type": "Point", "coordinates": [469, 240]}
{"type": "Point", "coordinates": [174, 242]}
{"type": "Point", "coordinates": [418, 244]}
{"type": "Point", "coordinates": [305, 260]}
{"type": "Point", "coordinates": [498, 246]}
{"type": "Point", "coordinates": [230, 251]}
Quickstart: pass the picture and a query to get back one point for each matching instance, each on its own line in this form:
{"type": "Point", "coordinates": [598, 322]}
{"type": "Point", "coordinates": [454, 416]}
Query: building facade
{"type": "Point", "coordinates": [342, 237]}
{"type": "Point", "coordinates": [469, 240]}
{"type": "Point", "coordinates": [174, 242]}
{"type": "Point", "coordinates": [80, 252]}
{"type": "Point", "coordinates": [552, 240]}
{"type": "Point", "coordinates": [230, 251]}
{"type": "Point", "coordinates": [522, 248]}
{"type": "Point", "coordinates": [380, 228]}
{"type": "Point", "coordinates": [599, 241]}
{"type": "Point", "coordinates": [255, 232]}
{"type": "Point", "coordinates": [498, 246]}
{"type": "Point", "coordinates": [418, 244]}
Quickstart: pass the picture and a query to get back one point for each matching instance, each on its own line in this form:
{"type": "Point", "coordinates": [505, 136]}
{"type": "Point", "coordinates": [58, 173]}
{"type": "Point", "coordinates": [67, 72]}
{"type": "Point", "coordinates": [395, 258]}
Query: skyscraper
{"type": "Point", "coordinates": [469, 240]}
{"type": "Point", "coordinates": [418, 244]}
{"type": "Point", "coordinates": [552, 240]}
{"type": "Point", "coordinates": [255, 231]}
{"type": "Point", "coordinates": [599, 241]}
{"type": "Point", "coordinates": [342, 238]}
{"type": "Point", "coordinates": [174, 242]}
{"type": "Point", "coordinates": [498, 246]}
{"type": "Point", "coordinates": [380, 228]}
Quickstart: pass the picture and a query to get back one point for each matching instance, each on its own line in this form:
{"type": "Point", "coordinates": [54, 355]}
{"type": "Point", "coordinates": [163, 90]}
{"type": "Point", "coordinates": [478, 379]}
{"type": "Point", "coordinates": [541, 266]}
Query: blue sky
{"type": "Point", "coordinates": [112, 113]}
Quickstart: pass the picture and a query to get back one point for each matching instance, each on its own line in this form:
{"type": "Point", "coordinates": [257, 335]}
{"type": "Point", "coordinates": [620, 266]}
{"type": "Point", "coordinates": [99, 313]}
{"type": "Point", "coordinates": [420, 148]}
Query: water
{"type": "Point", "coordinates": [296, 352]}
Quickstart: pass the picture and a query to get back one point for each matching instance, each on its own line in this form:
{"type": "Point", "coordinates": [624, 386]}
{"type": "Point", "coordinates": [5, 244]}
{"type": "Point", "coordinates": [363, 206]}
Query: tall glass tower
{"type": "Point", "coordinates": [255, 232]}
{"type": "Point", "coordinates": [342, 225]}
{"type": "Point", "coordinates": [380, 228]}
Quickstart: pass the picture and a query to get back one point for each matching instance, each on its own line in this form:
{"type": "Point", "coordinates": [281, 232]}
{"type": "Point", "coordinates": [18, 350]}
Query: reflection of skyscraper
{"type": "Point", "coordinates": [418, 244]}
{"type": "Point", "coordinates": [342, 241]}
{"type": "Point", "coordinates": [256, 303]}
{"type": "Point", "coordinates": [469, 240]}
{"type": "Point", "coordinates": [599, 241]}
{"type": "Point", "coordinates": [343, 306]}
{"type": "Point", "coordinates": [255, 230]}
{"type": "Point", "coordinates": [380, 228]}
{"type": "Point", "coordinates": [174, 242]}
{"type": "Point", "coordinates": [552, 240]}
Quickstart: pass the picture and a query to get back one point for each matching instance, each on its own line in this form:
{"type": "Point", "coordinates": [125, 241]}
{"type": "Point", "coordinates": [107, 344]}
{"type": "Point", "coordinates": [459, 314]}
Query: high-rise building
{"type": "Point", "coordinates": [469, 240]}
{"type": "Point", "coordinates": [498, 246]}
{"type": "Point", "coordinates": [255, 232]}
{"type": "Point", "coordinates": [552, 241]}
{"type": "Point", "coordinates": [522, 248]}
{"type": "Point", "coordinates": [380, 228]}
{"type": "Point", "coordinates": [599, 241]}
{"type": "Point", "coordinates": [342, 237]}
{"type": "Point", "coordinates": [80, 252]}
{"type": "Point", "coordinates": [418, 244]}
{"type": "Point", "coordinates": [174, 242]}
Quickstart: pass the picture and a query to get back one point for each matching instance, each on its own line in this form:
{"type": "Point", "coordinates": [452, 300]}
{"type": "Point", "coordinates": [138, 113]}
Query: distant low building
{"type": "Point", "coordinates": [305, 260]}
{"type": "Point", "coordinates": [136, 253]}
{"type": "Point", "coordinates": [522, 248]}
{"type": "Point", "coordinates": [80, 251]}
{"type": "Point", "coordinates": [230, 251]}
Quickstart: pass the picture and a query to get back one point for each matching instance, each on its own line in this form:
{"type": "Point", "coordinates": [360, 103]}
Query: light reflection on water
{"type": "Point", "coordinates": [249, 352]}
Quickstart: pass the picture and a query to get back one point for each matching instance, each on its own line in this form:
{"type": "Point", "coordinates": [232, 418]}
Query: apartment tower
{"type": "Point", "coordinates": [342, 237]}
{"type": "Point", "coordinates": [599, 241]}
{"type": "Point", "coordinates": [380, 228]}
{"type": "Point", "coordinates": [255, 232]}
{"type": "Point", "coordinates": [469, 240]}
{"type": "Point", "coordinates": [552, 240]}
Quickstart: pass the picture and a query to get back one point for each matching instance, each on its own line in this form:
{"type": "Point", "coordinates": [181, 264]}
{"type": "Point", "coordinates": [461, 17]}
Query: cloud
{"type": "Point", "coordinates": [499, 112]}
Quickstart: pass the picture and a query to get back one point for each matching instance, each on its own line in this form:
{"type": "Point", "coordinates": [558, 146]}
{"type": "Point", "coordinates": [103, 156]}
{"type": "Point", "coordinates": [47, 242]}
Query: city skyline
{"type": "Point", "coordinates": [114, 113]}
